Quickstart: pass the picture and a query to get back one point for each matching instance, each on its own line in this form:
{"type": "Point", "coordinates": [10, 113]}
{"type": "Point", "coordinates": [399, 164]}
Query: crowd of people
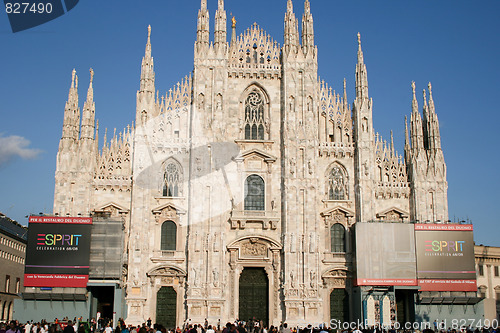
{"type": "Point", "coordinates": [103, 325]}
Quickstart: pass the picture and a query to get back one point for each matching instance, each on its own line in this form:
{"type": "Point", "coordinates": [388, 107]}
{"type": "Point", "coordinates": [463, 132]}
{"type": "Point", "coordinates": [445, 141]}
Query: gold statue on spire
{"type": "Point", "coordinates": [233, 20]}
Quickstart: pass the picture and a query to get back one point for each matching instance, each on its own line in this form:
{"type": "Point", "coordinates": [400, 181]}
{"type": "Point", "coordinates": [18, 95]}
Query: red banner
{"type": "Point", "coordinates": [386, 282]}
{"type": "Point", "coordinates": [447, 285]}
{"type": "Point", "coordinates": [55, 219]}
{"type": "Point", "coordinates": [55, 280]}
{"type": "Point", "coordinates": [444, 227]}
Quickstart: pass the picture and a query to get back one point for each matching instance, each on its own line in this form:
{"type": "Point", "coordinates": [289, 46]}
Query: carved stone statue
{"type": "Point", "coordinates": [215, 274]}
{"type": "Point", "coordinates": [312, 275]}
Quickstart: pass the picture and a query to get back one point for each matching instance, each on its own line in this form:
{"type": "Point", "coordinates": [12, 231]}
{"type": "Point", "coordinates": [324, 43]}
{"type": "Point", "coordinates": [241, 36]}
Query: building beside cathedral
{"type": "Point", "coordinates": [239, 188]}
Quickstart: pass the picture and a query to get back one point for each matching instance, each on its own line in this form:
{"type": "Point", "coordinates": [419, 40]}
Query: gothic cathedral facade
{"type": "Point", "coordinates": [239, 187]}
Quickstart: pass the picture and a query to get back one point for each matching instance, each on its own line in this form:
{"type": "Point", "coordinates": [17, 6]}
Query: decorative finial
{"type": "Point", "coordinates": [430, 88]}
{"type": "Point", "coordinates": [233, 20]}
{"type": "Point", "coordinates": [344, 84]}
{"type": "Point", "coordinates": [413, 88]}
{"type": "Point", "coordinates": [73, 74]}
{"type": "Point", "coordinates": [359, 39]}
{"type": "Point", "coordinates": [149, 31]}
{"type": "Point", "coordinates": [91, 75]}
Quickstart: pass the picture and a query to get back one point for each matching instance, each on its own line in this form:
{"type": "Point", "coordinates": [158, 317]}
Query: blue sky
{"type": "Point", "coordinates": [454, 44]}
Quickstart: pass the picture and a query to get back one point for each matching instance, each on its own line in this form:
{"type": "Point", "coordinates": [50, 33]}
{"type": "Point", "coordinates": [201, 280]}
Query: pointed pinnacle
{"type": "Point", "coordinates": [91, 76]}
{"type": "Point", "coordinates": [360, 51]}
{"type": "Point", "coordinates": [149, 31]}
{"type": "Point", "coordinates": [73, 74]}
{"type": "Point", "coordinates": [289, 6]}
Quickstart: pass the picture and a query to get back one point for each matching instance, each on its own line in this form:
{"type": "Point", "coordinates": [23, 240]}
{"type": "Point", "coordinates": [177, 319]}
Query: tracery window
{"type": "Point", "coordinates": [337, 238]}
{"type": "Point", "coordinates": [254, 116]}
{"type": "Point", "coordinates": [171, 180]}
{"type": "Point", "coordinates": [168, 236]}
{"type": "Point", "coordinates": [254, 193]}
{"type": "Point", "coordinates": [337, 184]}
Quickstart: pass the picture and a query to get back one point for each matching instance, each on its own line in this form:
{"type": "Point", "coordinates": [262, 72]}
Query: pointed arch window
{"type": "Point", "coordinates": [172, 179]}
{"type": "Point", "coordinates": [168, 236]}
{"type": "Point", "coordinates": [337, 184]}
{"type": "Point", "coordinates": [337, 238]}
{"type": "Point", "coordinates": [254, 193]}
{"type": "Point", "coordinates": [254, 116]}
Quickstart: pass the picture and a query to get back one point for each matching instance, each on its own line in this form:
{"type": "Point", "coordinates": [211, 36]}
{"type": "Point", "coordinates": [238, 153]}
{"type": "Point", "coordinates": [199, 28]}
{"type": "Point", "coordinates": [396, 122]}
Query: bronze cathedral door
{"type": "Point", "coordinates": [254, 294]}
{"type": "Point", "coordinates": [166, 307]}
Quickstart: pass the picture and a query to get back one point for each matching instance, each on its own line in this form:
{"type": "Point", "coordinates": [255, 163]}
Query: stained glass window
{"type": "Point", "coordinates": [254, 193]}
{"type": "Point", "coordinates": [337, 237]}
{"type": "Point", "coordinates": [171, 180]}
{"type": "Point", "coordinates": [168, 236]}
{"type": "Point", "coordinates": [254, 116]}
{"type": "Point", "coordinates": [337, 184]}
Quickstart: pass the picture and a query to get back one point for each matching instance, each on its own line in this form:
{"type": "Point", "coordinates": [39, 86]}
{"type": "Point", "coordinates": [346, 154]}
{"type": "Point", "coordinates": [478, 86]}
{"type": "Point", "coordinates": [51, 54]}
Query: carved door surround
{"type": "Point", "coordinates": [255, 251]}
{"type": "Point", "coordinates": [337, 277]}
{"type": "Point", "coordinates": [166, 276]}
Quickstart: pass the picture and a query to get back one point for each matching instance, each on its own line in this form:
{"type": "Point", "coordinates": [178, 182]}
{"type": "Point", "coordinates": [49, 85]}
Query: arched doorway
{"type": "Point", "coordinates": [166, 307]}
{"type": "Point", "coordinates": [254, 294]}
{"type": "Point", "coordinates": [339, 305]}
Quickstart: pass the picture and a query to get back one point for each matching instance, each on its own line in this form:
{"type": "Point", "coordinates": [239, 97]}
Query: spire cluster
{"type": "Point", "coordinates": [424, 131]}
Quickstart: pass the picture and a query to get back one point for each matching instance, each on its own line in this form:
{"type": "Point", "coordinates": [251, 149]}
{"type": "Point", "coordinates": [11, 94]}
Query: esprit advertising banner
{"type": "Point", "coordinates": [58, 252]}
{"type": "Point", "coordinates": [445, 257]}
{"type": "Point", "coordinates": [385, 254]}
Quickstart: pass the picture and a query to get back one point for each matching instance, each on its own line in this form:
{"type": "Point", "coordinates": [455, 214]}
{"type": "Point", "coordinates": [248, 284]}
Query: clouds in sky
{"type": "Point", "coordinates": [14, 146]}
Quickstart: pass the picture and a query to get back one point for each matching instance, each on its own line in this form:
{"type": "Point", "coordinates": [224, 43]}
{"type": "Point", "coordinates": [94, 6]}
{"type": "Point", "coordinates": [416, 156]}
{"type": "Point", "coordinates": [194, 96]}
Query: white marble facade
{"type": "Point", "coordinates": [252, 111]}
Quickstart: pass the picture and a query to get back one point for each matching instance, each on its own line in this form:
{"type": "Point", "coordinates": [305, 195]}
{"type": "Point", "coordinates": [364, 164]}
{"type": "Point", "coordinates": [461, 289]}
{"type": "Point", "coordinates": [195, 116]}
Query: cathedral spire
{"type": "Point", "coordinates": [416, 126]}
{"type": "Point", "coordinates": [203, 28]}
{"type": "Point", "coordinates": [431, 101]}
{"type": "Point", "coordinates": [220, 32]}
{"type": "Point", "coordinates": [345, 97]}
{"type": "Point", "coordinates": [426, 121]}
{"type": "Point", "coordinates": [360, 51]}
{"type": "Point", "coordinates": [88, 114]}
{"type": "Point", "coordinates": [291, 29]}
{"type": "Point", "coordinates": [392, 144]}
{"type": "Point", "coordinates": [307, 28]}
{"type": "Point", "coordinates": [148, 44]}
{"type": "Point", "coordinates": [361, 74]}
{"type": "Point", "coordinates": [407, 137]}
{"type": "Point", "coordinates": [147, 67]}
{"type": "Point", "coordinates": [71, 122]}
{"type": "Point", "coordinates": [432, 123]}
